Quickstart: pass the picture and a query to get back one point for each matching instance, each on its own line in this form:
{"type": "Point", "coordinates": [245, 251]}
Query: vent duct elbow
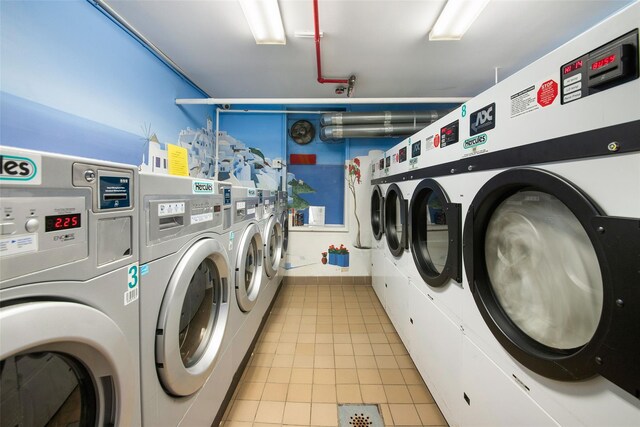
{"type": "Point", "coordinates": [370, 131]}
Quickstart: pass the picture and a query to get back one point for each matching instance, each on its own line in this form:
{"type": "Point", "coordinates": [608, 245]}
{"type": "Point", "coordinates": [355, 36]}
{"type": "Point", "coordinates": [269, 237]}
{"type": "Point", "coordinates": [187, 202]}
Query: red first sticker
{"type": "Point", "coordinates": [436, 140]}
{"type": "Point", "coordinates": [547, 93]}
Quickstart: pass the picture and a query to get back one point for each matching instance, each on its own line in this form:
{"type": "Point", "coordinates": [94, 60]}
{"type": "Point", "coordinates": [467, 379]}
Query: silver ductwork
{"type": "Point", "coordinates": [379, 117]}
{"type": "Point", "coordinates": [370, 131]}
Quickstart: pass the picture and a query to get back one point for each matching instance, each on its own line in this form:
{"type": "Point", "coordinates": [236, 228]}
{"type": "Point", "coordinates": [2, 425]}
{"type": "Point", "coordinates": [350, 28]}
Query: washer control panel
{"type": "Point", "coordinates": [603, 68]}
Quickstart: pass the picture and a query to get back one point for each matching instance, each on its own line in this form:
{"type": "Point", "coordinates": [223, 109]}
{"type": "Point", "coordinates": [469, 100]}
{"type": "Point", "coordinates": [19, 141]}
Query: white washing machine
{"type": "Point", "coordinates": [185, 300]}
{"type": "Point", "coordinates": [546, 164]}
{"type": "Point", "coordinates": [272, 238]}
{"type": "Point", "coordinates": [69, 286]}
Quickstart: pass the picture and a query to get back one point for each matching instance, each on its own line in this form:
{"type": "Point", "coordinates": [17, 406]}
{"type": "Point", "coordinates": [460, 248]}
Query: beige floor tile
{"type": "Point", "coordinates": [343, 349]}
{"type": "Point", "coordinates": [271, 337]}
{"type": "Point", "coordinates": [382, 349]}
{"type": "Point", "coordinates": [342, 338]}
{"type": "Point", "coordinates": [348, 393]}
{"type": "Point", "coordinates": [386, 362]}
{"type": "Point", "coordinates": [324, 414]}
{"type": "Point", "coordinates": [366, 362]}
{"type": "Point", "coordinates": [337, 319]}
{"type": "Point", "coordinates": [289, 337]}
{"type": "Point", "coordinates": [397, 394]}
{"type": "Point", "coordinates": [411, 376]}
{"type": "Point", "coordinates": [303, 361]}
{"type": "Point", "coordinates": [279, 375]}
{"type": "Point", "coordinates": [301, 376]}
{"type": "Point", "coordinates": [345, 362]}
{"type": "Point", "coordinates": [250, 391]}
{"type": "Point", "coordinates": [391, 376]}
{"type": "Point", "coordinates": [270, 412]}
{"type": "Point", "coordinates": [299, 393]}
{"type": "Point", "coordinates": [306, 338]}
{"type": "Point", "coordinates": [369, 376]}
{"type": "Point", "coordinates": [393, 338]}
{"type": "Point", "coordinates": [324, 320]}
{"type": "Point", "coordinates": [405, 362]}
{"type": "Point", "coordinates": [244, 410]}
{"type": "Point", "coordinates": [341, 329]}
{"type": "Point", "coordinates": [266, 347]}
{"type": "Point", "coordinates": [430, 415]}
{"type": "Point", "coordinates": [324, 393]}
{"type": "Point", "coordinates": [324, 362]}
{"type": "Point", "coordinates": [275, 392]}
{"type": "Point", "coordinates": [282, 361]}
{"type": "Point", "coordinates": [292, 327]}
{"type": "Point", "coordinates": [308, 328]}
{"type": "Point", "coordinates": [375, 329]}
{"type": "Point", "coordinates": [297, 413]}
{"type": "Point", "coordinates": [308, 320]}
{"type": "Point", "coordinates": [387, 328]}
{"type": "Point", "coordinates": [262, 359]}
{"type": "Point", "coordinates": [386, 415]}
{"type": "Point", "coordinates": [357, 329]}
{"type": "Point", "coordinates": [305, 348]}
{"type": "Point", "coordinates": [399, 349]}
{"type": "Point", "coordinates": [404, 414]}
{"type": "Point", "coordinates": [324, 349]}
{"type": "Point", "coordinates": [363, 349]}
{"type": "Point", "coordinates": [324, 376]}
{"type": "Point", "coordinates": [256, 374]}
{"type": "Point", "coordinates": [378, 338]}
{"type": "Point", "coordinates": [286, 348]}
{"type": "Point", "coordinates": [324, 328]}
{"type": "Point", "coordinates": [237, 424]}
{"type": "Point", "coordinates": [371, 319]}
{"type": "Point", "coordinates": [324, 338]}
{"type": "Point", "coordinates": [360, 338]}
{"type": "Point", "coordinates": [420, 394]}
{"type": "Point", "coordinates": [373, 393]}
{"type": "Point", "coordinates": [346, 376]}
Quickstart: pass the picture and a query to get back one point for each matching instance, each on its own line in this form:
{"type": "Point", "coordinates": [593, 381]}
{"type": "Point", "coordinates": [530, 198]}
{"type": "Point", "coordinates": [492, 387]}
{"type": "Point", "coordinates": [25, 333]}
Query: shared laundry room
{"type": "Point", "coordinates": [319, 213]}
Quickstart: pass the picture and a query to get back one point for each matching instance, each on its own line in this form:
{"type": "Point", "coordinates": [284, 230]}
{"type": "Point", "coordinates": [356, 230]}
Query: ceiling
{"type": "Point", "coordinates": [383, 42]}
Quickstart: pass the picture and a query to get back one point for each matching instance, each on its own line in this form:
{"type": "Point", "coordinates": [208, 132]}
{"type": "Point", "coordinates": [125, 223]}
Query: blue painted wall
{"type": "Point", "coordinates": [74, 82]}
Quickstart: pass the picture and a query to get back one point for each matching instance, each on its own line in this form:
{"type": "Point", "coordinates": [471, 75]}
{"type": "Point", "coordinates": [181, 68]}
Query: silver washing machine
{"type": "Point", "coordinates": [186, 286]}
{"type": "Point", "coordinates": [272, 238]}
{"type": "Point", "coordinates": [282, 215]}
{"type": "Point", "coordinates": [69, 286]}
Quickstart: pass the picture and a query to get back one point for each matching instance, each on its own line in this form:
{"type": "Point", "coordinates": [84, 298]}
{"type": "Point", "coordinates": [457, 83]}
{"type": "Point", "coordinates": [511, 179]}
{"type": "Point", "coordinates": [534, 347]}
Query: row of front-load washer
{"type": "Point", "coordinates": [508, 251]}
{"type": "Point", "coordinates": [128, 298]}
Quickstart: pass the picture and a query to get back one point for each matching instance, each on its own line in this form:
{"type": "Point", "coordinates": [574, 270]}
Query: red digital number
{"type": "Point", "coordinates": [74, 221]}
{"type": "Point", "coordinates": [604, 61]}
{"type": "Point", "coordinates": [67, 221]}
{"type": "Point", "coordinates": [58, 223]}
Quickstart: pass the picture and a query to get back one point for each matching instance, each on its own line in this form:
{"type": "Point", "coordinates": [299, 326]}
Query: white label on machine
{"type": "Point", "coordinates": [18, 244]}
{"type": "Point", "coordinates": [133, 290]}
{"type": "Point", "coordinates": [195, 219]}
{"type": "Point", "coordinates": [572, 79]}
{"type": "Point", "coordinates": [572, 96]}
{"type": "Point", "coordinates": [267, 202]}
{"type": "Point", "coordinates": [241, 205]}
{"type": "Point", "coordinates": [251, 211]}
{"type": "Point", "coordinates": [540, 95]}
{"type": "Point", "coordinates": [19, 168]}
{"type": "Point", "coordinates": [165, 209]}
{"type": "Point", "coordinates": [572, 88]}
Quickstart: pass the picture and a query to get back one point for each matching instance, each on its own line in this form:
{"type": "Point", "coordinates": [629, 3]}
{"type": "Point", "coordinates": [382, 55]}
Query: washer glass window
{"type": "Point", "coordinates": [544, 270]}
{"type": "Point", "coordinates": [437, 246]}
{"type": "Point", "coordinates": [274, 243]}
{"type": "Point", "coordinates": [199, 312]}
{"type": "Point", "coordinates": [251, 260]}
{"type": "Point", "coordinates": [46, 388]}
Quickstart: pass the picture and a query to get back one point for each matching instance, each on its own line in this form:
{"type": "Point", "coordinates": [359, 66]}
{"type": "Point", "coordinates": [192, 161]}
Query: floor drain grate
{"type": "Point", "coordinates": [359, 416]}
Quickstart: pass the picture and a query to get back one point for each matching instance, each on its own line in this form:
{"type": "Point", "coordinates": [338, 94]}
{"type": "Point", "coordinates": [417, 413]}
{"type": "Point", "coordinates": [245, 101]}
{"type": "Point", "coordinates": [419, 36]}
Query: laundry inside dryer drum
{"type": "Point", "coordinates": [543, 270]}
{"type": "Point", "coordinates": [46, 388]}
{"type": "Point", "coordinates": [199, 312]}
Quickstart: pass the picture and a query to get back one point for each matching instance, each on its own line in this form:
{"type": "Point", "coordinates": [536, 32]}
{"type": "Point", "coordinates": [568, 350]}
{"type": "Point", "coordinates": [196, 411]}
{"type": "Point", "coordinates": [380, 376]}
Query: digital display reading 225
{"type": "Point", "coordinates": [602, 62]}
{"type": "Point", "coordinates": [61, 222]}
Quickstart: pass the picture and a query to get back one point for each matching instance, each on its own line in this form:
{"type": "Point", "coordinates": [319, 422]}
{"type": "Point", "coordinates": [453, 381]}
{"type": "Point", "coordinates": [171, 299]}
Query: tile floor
{"type": "Point", "coordinates": [323, 345]}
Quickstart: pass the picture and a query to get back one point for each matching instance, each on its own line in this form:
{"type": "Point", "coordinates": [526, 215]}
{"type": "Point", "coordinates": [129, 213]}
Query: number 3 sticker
{"type": "Point", "coordinates": [132, 275]}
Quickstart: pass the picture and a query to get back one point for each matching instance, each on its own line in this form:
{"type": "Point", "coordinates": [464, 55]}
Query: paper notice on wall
{"type": "Point", "coordinates": [178, 160]}
{"type": "Point", "coordinates": [316, 215]}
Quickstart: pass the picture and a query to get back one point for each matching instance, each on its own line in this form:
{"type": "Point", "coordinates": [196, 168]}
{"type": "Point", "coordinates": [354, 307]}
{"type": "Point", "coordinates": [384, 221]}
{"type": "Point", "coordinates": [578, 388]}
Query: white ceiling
{"type": "Point", "coordinates": [383, 42]}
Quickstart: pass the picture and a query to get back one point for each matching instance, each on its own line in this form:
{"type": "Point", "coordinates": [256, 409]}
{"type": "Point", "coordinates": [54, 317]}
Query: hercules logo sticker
{"type": "Point", "coordinates": [482, 120]}
{"type": "Point", "coordinates": [21, 170]}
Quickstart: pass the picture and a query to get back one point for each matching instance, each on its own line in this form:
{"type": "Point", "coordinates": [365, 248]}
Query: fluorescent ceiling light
{"type": "Point", "coordinates": [456, 18]}
{"type": "Point", "coordinates": [264, 20]}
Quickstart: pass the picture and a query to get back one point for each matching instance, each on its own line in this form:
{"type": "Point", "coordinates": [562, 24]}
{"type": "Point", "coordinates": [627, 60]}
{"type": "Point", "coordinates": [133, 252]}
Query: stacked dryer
{"type": "Point", "coordinates": [541, 174]}
{"type": "Point", "coordinates": [69, 284]}
{"type": "Point", "coordinates": [185, 302]}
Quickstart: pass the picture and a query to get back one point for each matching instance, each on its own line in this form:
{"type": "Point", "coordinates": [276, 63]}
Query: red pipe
{"type": "Point", "coordinates": [317, 38]}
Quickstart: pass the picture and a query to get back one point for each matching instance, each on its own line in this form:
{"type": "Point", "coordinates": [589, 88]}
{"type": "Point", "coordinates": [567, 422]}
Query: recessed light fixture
{"type": "Point", "coordinates": [264, 20]}
{"type": "Point", "coordinates": [456, 18]}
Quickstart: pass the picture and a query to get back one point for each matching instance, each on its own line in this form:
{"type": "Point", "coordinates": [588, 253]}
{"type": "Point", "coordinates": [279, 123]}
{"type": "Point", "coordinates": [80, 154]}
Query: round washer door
{"type": "Point", "coordinates": [395, 214]}
{"type": "Point", "coordinates": [249, 268]}
{"type": "Point", "coordinates": [284, 220]}
{"type": "Point", "coordinates": [193, 318]}
{"type": "Point", "coordinates": [273, 246]}
{"type": "Point", "coordinates": [62, 358]}
{"type": "Point", "coordinates": [538, 271]}
{"type": "Point", "coordinates": [435, 234]}
{"type": "Point", "coordinates": [377, 217]}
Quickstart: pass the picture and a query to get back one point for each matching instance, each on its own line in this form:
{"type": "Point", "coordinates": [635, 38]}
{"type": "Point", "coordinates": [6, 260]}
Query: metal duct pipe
{"type": "Point", "coordinates": [370, 131]}
{"type": "Point", "coordinates": [380, 117]}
